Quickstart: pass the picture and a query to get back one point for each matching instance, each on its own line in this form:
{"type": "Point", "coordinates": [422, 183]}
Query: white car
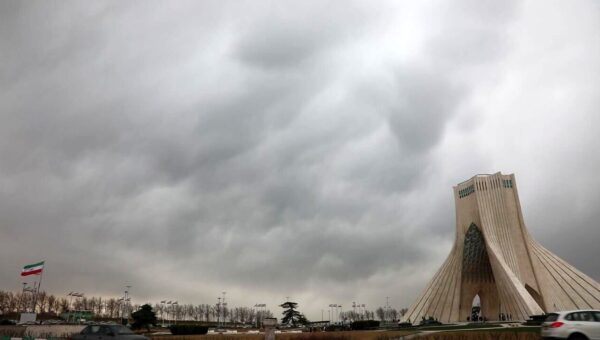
{"type": "Point", "coordinates": [572, 325]}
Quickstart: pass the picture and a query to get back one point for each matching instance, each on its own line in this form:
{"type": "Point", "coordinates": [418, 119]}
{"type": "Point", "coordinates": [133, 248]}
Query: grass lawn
{"type": "Point", "coordinates": [529, 329]}
{"type": "Point", "coordinates": [355, 335]}
{"type": "Point", "coordinates": [451, 332]}
{"type": "Point", "coordinates": [455, 327]}
{"type": "Point", "coordinates": [517, 333]}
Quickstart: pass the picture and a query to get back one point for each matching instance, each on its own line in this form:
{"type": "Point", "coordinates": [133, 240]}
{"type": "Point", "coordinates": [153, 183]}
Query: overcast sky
{"type": "Point", "coordinates": [286, 148]}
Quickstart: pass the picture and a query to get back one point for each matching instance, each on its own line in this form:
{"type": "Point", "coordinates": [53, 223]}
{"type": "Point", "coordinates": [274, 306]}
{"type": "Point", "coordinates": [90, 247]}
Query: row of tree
{"type": "Point", "coordinates": [210, 313]}
{"type": "Point", "coordinates": [11, 302]}
{"type": "Point", "coordinates": [390, 314]}
{"type": "Point", "coordinates": [382, 313]}
{"type": "Point", "coordinates": [102, 307]}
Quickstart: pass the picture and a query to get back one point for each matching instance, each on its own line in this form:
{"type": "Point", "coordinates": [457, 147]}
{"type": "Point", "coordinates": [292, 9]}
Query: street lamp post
{"type": "Point", "coordinates": [260, 313]}
{"type": "Point", "coordinates": [224, 309]}
{"type": "Point", "coordinates": [22, 304]}
{"type": "Point", "coordinates": [256, 314]}
{"type": "Point", "coordinates": [333, 307]}
{"type": "Point", "coordinates": [72, 308]}
{"type": "Point", "coordinates": [126, 303]}
{"type": "Point", "coordinates": [169, 311]}
{"type": "Point", "coordinates": [174, 305]}
{"type": "Point", "coordinates": [162, 312]}
{"type": "Point", "coordinates": [219, 312]}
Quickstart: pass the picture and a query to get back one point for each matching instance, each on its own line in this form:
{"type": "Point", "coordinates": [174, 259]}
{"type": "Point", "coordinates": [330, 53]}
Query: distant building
{"type": "Point", "coordinates": [496, 259]}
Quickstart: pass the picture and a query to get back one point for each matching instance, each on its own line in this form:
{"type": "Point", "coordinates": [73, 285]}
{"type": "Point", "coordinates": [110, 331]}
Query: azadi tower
{"type": "Point", "coordinates": [495, 258]}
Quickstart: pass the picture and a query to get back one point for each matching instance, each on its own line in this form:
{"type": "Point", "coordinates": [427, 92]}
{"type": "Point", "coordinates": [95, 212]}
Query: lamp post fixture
{"type": "Point", "coordinates": [260, 313]}
{"type": "Point", "coordinates": [387, 309]}
{"type": "Point", "coordinates": [174, 305]}
{"type": "Point", "coordinates": [219, 311]}
{"type": "Point", "coordinates": [126, 303]}
{"type": "Point", "coordinates": [72, 308]}
{"type": "Point", "coordinates": [169, 311]}
{"type": "Point", "coordinates": [256, 314]}
{"type": "Point", "coordinates": [332, 307]}
{"type": "Point", "coordinates": [70, 295]}
{"type": "Point", "coordinates": [162, 312]}
{"type": "Point", "coordinates": [33, 291]}
{"type": "Point", "coordinates": [224, 308]}
{"type": "Point", "coordinates": [22, 303]}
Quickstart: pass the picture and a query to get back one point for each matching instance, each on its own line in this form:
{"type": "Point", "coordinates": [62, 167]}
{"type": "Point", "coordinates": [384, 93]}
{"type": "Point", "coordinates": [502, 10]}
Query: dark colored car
{"type": "Point", "coordinates": [107, 332]}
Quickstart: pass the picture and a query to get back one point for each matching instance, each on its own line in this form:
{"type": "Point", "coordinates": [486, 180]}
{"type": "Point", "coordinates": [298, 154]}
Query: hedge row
{"type": "Point", "coordinates": [188, 329]}
{"type": "Point", "coordinates": [364, 324]}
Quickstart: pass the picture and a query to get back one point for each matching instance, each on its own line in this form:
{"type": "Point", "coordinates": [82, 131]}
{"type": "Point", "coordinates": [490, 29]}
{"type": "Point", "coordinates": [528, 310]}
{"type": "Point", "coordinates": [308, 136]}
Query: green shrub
{"type": "Point", "coordinates": [188, 329]}
{"type": "Point", "coordinates": [364, 324]}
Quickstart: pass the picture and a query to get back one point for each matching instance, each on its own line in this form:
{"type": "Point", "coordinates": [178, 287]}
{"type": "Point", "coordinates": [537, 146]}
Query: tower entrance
{"type": "Point", "coordinates": [479, 289]}
{"type": "Point", "coordinates": [475, 309]}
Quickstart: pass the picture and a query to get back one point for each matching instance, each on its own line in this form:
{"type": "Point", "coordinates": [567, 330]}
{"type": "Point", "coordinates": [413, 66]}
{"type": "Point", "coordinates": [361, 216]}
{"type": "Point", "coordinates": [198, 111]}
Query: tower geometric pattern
{"type": "Point", "coordinates": [495, 258]}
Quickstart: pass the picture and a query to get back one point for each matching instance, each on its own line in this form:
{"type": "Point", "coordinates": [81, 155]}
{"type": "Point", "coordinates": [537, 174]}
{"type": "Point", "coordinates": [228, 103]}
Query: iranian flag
{"type": "Point", "coordinates": [32, 269]}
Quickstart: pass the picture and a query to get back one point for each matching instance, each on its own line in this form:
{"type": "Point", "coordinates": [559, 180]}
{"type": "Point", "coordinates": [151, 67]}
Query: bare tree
{"type": "Point", "coordinates": [63, 305]}
{"type": "Point", "coordinates": [394, 314]}
{"type": "Point", "coordinates": [380, 313]}
{"type": "Point", "coordinates": [51, 300]}
{"type": "Point", "coordinates": [111, 307]}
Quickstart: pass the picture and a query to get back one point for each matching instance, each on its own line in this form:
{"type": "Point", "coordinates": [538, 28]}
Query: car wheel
{"type": "Point", "coordinates": [578, 336]}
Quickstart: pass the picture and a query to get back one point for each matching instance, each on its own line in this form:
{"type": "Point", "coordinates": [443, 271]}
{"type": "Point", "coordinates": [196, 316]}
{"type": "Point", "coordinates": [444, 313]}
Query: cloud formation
{"type": "Point", "coordinates": [286, 149]}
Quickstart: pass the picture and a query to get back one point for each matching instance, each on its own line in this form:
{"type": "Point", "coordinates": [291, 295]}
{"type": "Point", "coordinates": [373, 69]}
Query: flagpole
{"type": "Point", "coordinates": [38, 288]}
{"type": "Point", "coordinates": [22, 300]}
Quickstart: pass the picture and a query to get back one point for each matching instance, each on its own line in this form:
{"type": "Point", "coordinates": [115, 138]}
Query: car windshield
{"type": "Point", "coordinates": [122, 330]}
{"type": "Point", "coordinates": [551, 317]}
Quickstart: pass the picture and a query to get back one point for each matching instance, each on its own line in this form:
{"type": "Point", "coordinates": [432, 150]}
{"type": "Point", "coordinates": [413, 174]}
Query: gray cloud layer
{"type": "Point", "coordinates": [274, 149]}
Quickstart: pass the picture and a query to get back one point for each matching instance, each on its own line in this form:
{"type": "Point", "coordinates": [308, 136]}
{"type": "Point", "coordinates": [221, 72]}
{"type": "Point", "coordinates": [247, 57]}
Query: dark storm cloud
{"type": "Point", "coordinates": [272, 149]}
{"type": "Point", "coordinates": [416, 119]}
